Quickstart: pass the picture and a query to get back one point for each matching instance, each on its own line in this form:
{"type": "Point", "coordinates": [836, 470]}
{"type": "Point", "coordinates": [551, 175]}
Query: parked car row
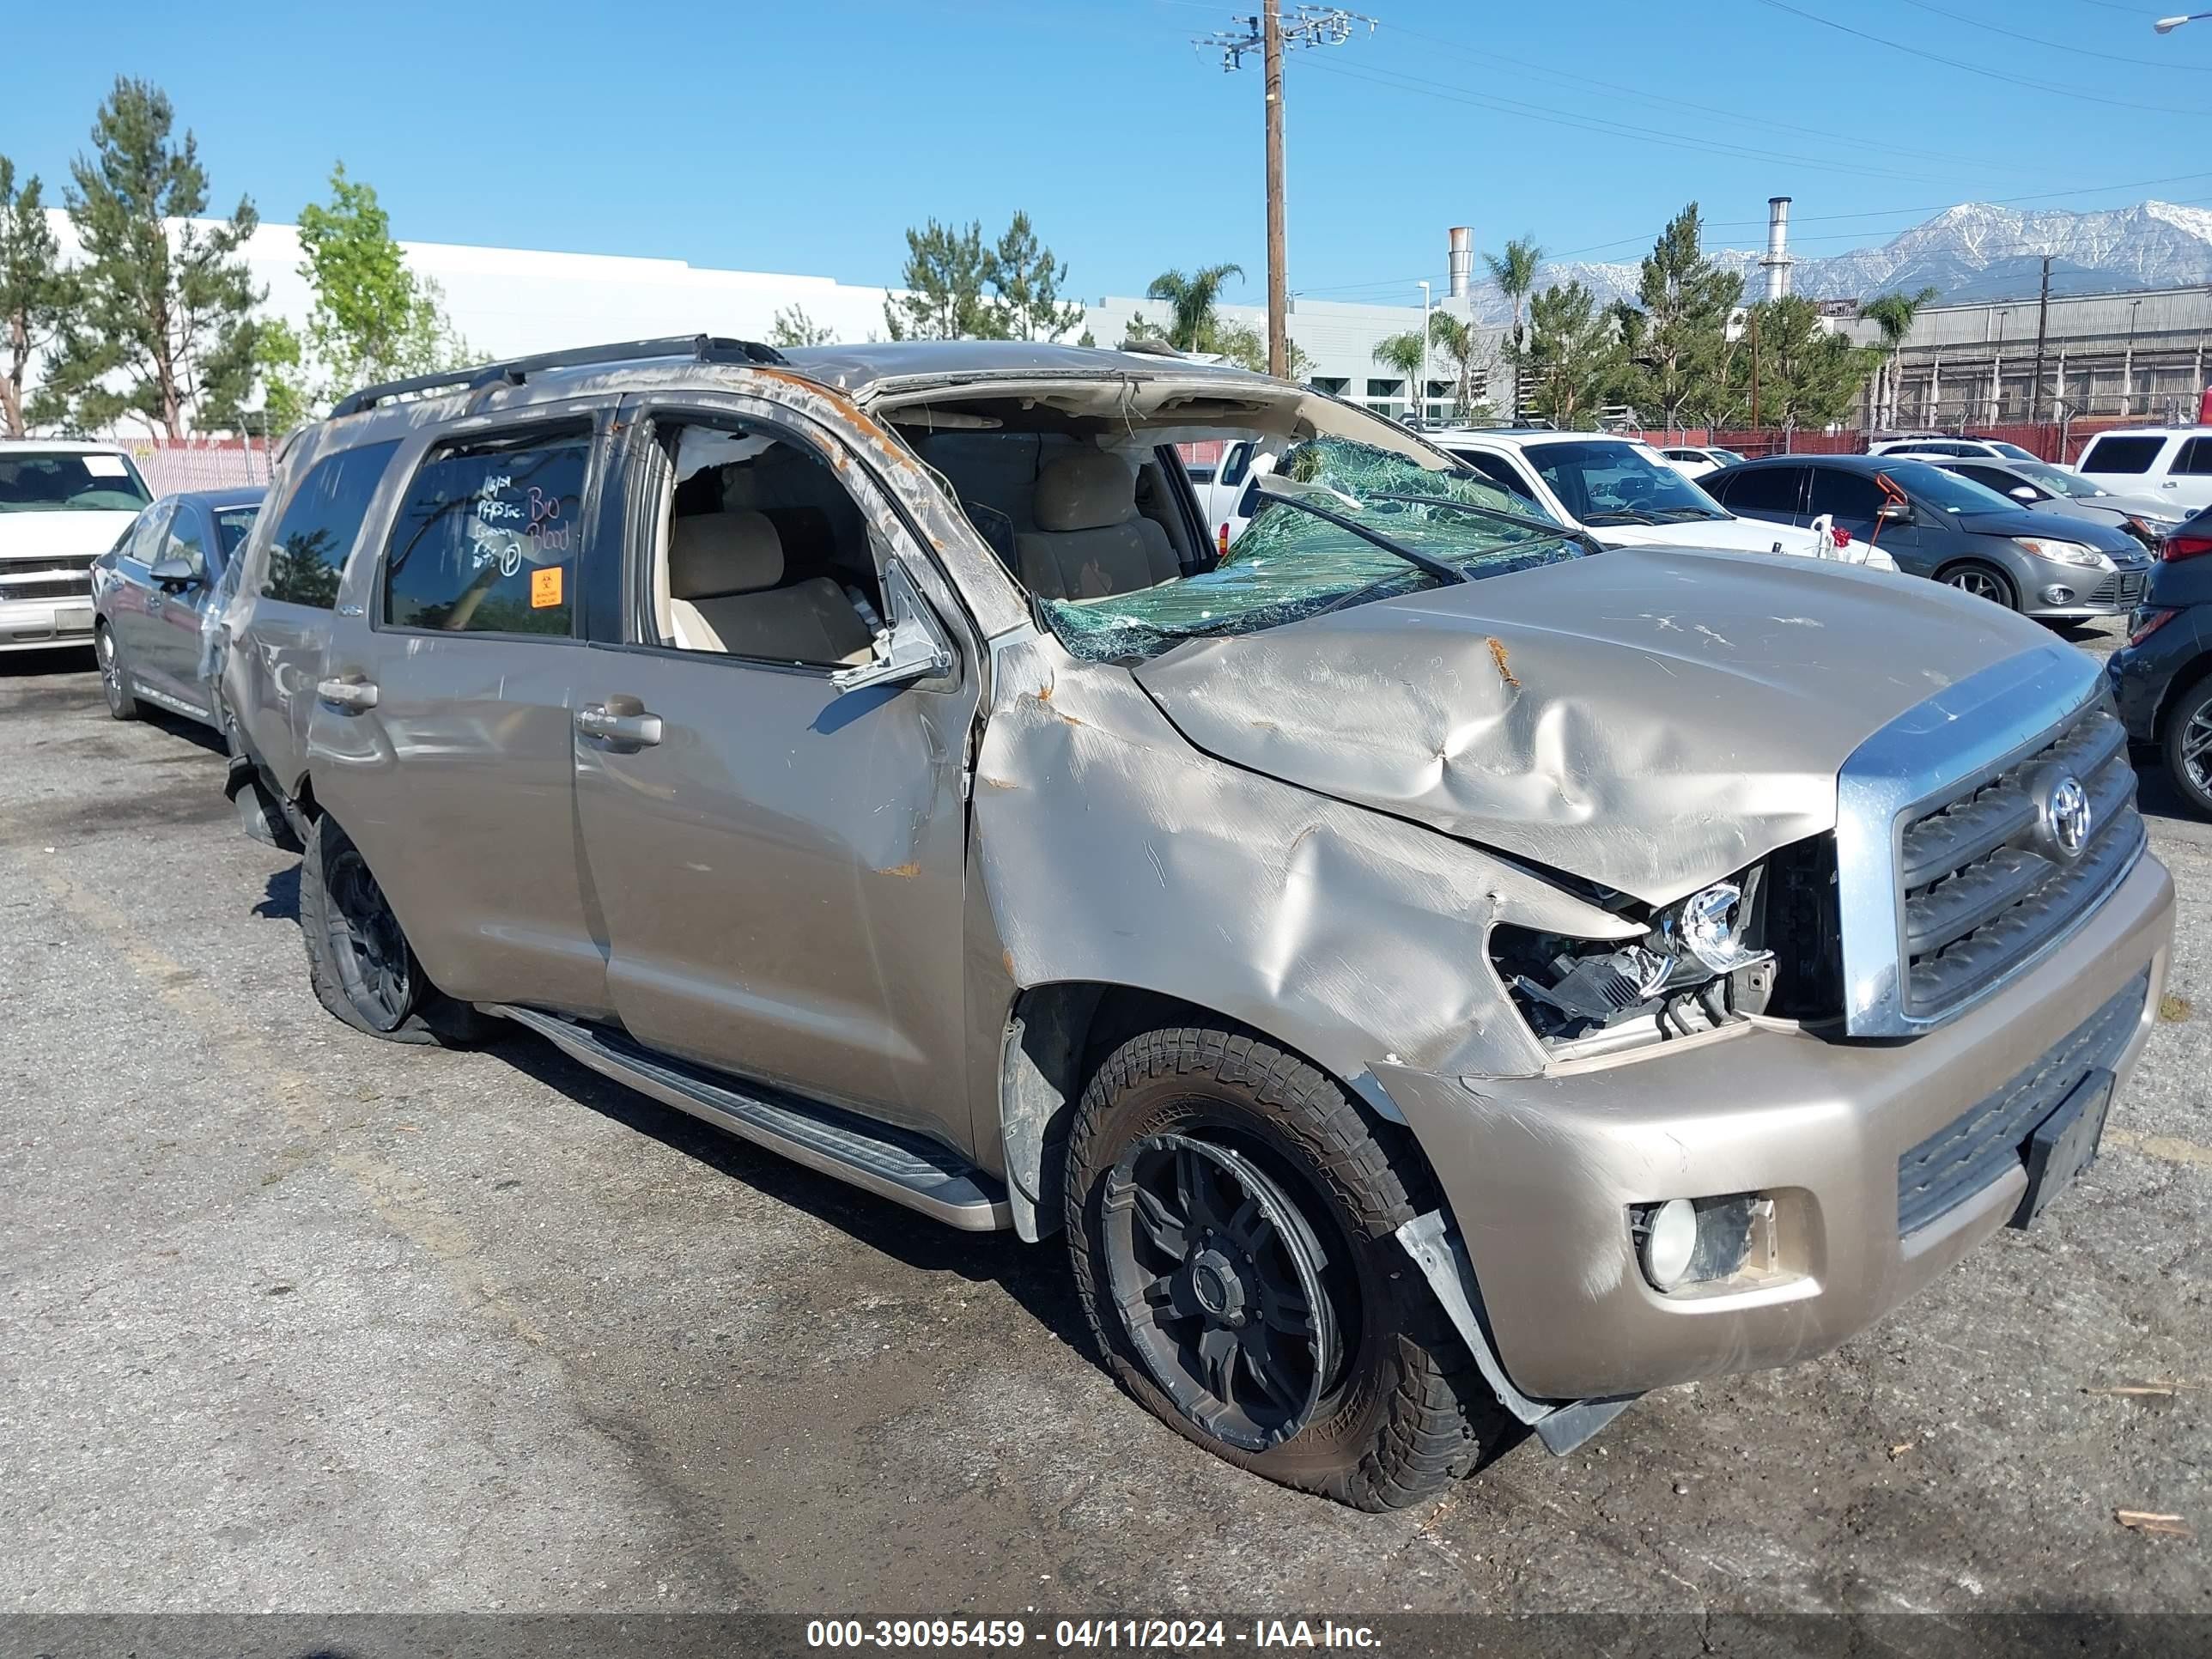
{"type": "Point", "coordinates": [1442, 977]}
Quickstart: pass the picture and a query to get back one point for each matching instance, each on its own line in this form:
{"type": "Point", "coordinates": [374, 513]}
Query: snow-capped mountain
{"type": "Point", "coordinates": [1971, 251]}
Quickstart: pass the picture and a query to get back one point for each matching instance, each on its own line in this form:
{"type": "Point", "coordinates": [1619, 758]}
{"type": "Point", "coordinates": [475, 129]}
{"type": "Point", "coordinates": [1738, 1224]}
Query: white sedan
{"type": "Point", "coordinates": [1695, 460]}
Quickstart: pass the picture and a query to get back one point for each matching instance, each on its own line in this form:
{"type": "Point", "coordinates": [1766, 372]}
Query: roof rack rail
{"type": "Point", "coordinates": [698, 347]}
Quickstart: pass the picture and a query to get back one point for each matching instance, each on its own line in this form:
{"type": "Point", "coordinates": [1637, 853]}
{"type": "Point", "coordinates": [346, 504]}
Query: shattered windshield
{"type": "Point", "coordinates": [1354, 524]}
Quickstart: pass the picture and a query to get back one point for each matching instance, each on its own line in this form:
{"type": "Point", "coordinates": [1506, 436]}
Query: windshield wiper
{"type": "Point", "coordinates": [1681, 514]}
{"type": "Point", "coordinates": [1424, 562]}
{"type": "Point", "coordinates": [1526, 523]}
{"type": "Point", "coordinates": [1621, 515]}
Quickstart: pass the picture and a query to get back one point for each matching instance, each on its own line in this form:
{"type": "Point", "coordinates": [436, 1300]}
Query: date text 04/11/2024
{"type": "Point", "coordinates": [1161, 1633]}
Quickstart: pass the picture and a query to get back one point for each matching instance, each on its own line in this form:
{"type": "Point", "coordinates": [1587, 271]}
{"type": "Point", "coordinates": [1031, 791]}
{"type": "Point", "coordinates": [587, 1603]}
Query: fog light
{"type": "Point", "coordinates": [2056, 594]}
{"type": "Point", "coordinates": [1670, 1239]}
{"type": "Point", "coordinates": [1684, 1242]}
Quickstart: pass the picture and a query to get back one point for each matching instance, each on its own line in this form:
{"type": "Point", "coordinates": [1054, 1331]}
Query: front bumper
{"type": "Point", "coordinates": [2089, 593]}
{"type": "Point", "coordinates": [45, 624]}
{"type": "Point", "coordinates": [1539, 1172]}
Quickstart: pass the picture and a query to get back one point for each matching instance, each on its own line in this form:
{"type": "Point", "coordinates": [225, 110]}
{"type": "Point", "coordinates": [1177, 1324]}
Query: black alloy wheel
{"type": "Point", "coordinates": [374, 967]}
{"type": "Point", "coordinates": [1219, 1280]}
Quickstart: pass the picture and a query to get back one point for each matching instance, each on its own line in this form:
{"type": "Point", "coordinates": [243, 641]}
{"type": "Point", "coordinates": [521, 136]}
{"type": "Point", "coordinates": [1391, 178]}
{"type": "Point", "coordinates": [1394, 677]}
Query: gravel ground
{"type": "Point", "coordinates": [297, 1320]}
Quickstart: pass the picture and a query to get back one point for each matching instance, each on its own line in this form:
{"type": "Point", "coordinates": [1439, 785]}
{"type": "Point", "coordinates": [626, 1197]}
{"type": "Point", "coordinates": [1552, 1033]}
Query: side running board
{"type": "Point", "coordinates": [905, 1169]}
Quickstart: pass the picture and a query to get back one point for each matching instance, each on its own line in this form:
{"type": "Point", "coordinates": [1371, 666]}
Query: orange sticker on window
{"type": "Point", "coordinates": [545, 587]}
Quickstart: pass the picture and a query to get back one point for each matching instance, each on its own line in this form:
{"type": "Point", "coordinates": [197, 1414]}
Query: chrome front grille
{"type": "Point", "coordinates": [1984, 880]}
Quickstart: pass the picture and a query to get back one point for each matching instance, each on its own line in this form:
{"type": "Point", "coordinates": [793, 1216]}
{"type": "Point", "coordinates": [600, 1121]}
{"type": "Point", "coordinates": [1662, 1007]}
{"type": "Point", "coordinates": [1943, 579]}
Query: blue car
{"type": "Point", "coordinates": [152, 593]}
{"type": "Point", "coordinates": [2162, 678]}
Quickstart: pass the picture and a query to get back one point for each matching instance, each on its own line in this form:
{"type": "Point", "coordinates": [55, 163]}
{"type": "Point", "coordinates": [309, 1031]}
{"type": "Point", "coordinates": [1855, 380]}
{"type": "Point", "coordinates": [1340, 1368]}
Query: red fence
{"type": "Point", "coordinates": [199, 464]}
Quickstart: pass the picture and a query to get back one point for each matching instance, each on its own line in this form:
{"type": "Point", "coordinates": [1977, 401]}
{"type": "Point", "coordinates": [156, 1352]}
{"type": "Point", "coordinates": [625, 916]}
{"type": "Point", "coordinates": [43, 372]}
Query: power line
{"type": "Point", "coordinates": [1451, 92]}
{"type": "Point", "coordinates": [1762, 122]}
{"type": "Point", "coordinates": [2059, 45]}
{"type": "Point", "coordinates": [1977, 68]}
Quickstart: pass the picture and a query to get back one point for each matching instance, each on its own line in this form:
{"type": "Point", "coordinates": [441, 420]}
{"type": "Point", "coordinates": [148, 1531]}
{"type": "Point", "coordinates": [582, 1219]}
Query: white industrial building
{"type": "Point", "coordinates": [511, 302]}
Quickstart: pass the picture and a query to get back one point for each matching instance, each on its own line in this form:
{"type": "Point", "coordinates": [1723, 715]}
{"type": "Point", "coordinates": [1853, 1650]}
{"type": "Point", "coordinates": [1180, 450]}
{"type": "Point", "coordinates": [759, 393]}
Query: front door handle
{"type": "Point", "coordinates": [353, 695]}
{"type": "Point", "coordinates": [628, 725]}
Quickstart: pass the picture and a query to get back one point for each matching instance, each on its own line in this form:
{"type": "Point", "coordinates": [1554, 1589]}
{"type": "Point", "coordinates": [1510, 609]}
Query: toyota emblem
{"type": "Point", "coordinates": [2067, 813]}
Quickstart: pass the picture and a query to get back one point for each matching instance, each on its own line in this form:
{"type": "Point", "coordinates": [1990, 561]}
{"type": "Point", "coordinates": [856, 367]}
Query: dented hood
{"type": "Point", "coordinates": [1649, 719]}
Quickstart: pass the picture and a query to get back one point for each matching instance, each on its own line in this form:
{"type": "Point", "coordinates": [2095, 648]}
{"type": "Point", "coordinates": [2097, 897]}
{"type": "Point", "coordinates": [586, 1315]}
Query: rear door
{"type": "Point", "coordinates": [128, 604]}
{"type": "Point", "coordinates": [2126, 462]}
{"type": "Point", "coordinates": [781, 863]}
{"type": "Point", "coordinates": [1854, 501]}
{"type": "Point", "coordinates": [2191, 483]}
{"type": "Point", "coordinates": [273, 666]}
{"type": "Point", "coordinates": [1774, 494]}
{"type": "Point", "coordinates": [440, 733]}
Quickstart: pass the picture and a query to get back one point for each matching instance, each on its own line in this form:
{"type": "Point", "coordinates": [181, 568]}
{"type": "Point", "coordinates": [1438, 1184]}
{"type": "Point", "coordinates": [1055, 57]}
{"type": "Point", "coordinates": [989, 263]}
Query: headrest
{"type": "Point", "coordinates": [712, 554]}
{"type": "Point", "coordinates": [1085, 489]}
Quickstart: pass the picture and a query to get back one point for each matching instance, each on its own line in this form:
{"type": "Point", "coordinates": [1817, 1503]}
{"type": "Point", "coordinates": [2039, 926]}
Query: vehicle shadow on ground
{"type": "Point", "coordinates": [1036, 1277]}
{"type": "Point", "coordinates": [280, 898]}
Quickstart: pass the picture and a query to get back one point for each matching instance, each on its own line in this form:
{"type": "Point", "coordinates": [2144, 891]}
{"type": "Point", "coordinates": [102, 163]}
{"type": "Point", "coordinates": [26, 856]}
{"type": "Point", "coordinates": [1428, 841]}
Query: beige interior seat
{"type": "Point", "coordinates": [1090, 539]}
{"type": "Point", "coordinates": [723, 569]}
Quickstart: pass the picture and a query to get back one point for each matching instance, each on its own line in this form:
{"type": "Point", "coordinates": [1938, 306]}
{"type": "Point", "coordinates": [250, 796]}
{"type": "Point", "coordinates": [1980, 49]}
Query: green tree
{"type": "Point", "coordinates": [1893, 313]}
{"type": "Point", "coordinates": [1406, 353]}
{"type": "Point", "coordinates": [1025, 281]}
{"type": "Point", "coordinates": [1194, 323]}
{"type": "Point", "coordinates": [374, 319]}
{"type": "Point", "coordinates": [1515, 273]}
{"type": "Point", "coordinates": [946, 268]}
{"type": "Point", "coordinates": [280, 363]}
{"type": "Point", "coordinates": [37, 297]}
{"type": "Point", "coordinates": [1807, 375]}
{"type": "Point", "coordinates": [165, 331]}
{"type": "Point", "coordinates": [1679, 345]}
{"type": "Point", "coordinates": [1570, 352]}
{"type": "Point", "coordinates": [794, 327]}
{"type": "Point", "coordinates": [1466, 353]}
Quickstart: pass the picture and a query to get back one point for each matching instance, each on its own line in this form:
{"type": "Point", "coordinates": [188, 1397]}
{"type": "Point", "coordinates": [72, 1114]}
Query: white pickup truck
{"type": "Point", "coordinates": [62, 505]}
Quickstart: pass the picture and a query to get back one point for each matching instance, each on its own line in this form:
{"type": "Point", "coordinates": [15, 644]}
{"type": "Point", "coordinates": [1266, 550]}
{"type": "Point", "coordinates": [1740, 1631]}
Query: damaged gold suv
{"type": "Point", "coordinates": [1438, 978]}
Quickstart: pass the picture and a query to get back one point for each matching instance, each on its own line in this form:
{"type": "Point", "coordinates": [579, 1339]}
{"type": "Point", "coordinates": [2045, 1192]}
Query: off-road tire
{"type": "Point", "coordinates": [1409, 1411]}
{"type": "Point", "coordinates": [114, 674]}
{"type": "Point", "coordinates": [424, 1014]}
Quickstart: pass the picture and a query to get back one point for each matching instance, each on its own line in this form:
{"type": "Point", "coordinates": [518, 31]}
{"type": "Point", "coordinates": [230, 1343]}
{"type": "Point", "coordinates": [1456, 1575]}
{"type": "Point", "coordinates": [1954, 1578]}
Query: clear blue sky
{"type": "Point", "coordinates": [804, 136]}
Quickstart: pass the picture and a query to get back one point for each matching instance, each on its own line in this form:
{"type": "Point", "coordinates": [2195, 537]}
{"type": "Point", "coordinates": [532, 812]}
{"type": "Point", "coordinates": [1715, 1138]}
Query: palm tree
{"type": "Point", "coordinates": [1515, 273]}
{"type": "Point", "coordinates": [1405, 353]}
{"type": "Point", "coordinates": [1192, 324]}
{"type": "Point", "coordinates": [1462, 346]}
{"type": "Point", "coordinates": [1893, 313]}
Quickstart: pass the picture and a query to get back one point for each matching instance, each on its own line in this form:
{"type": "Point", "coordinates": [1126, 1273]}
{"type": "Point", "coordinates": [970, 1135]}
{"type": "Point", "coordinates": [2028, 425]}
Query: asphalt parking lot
{"type": "Point", "coordinates": [297, 1320]}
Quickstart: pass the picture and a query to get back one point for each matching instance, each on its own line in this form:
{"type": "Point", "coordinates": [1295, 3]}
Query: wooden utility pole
{"type": "Point", "coordinates": [1310, 25]}
{"type": "Point", "coordinates": [2042, 328]}
{"type": "Point", "coordinates": [1279, 276]}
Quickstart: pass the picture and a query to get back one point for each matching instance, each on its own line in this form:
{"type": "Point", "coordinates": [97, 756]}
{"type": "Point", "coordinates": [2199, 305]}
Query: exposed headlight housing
{"type": "Point", "coordinates": [1694, 962]}
{"type": "Point", "coordinates": [2074, 553]}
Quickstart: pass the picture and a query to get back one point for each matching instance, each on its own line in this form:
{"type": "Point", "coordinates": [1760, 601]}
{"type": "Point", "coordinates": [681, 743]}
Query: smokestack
{"type": "Point", "coordinates": [1777, 262]}
{"type": "Point", "coordinates": [1461, 238]}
